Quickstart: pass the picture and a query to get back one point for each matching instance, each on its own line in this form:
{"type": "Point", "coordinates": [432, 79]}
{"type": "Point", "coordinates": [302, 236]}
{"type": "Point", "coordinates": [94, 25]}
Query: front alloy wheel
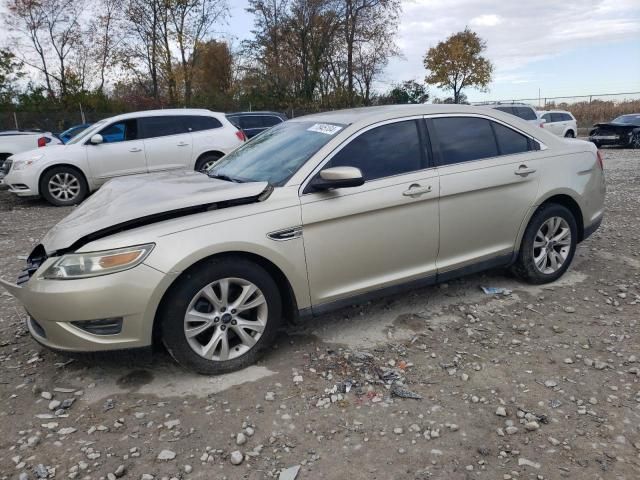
{"type": "Point", "coordinates": [220, 315]}
{"type": "Point", "coordinates": [64, 186]}
{"type": "Point", "coordinates": [226, 319]}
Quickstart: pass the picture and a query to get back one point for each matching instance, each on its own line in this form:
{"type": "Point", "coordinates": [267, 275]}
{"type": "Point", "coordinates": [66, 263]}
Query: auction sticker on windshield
{"type": "Point", "coordinates": [325, 128]}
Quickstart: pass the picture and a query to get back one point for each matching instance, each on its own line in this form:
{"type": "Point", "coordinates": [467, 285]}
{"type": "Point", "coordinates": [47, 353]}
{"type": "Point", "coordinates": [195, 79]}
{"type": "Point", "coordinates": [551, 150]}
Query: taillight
{"type": "Point", "coordinates": [241, 136]}
{"type": "Point", "coordinates": [600, 160]}
{"type": "Point", "coordinates": [541, 124]}
{"type": "Point", "coordinates": [42, 142]}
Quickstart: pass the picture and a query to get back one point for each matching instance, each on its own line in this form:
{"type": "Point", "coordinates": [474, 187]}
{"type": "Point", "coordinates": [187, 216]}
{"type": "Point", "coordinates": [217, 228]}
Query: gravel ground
{"type": "Point", "coordinates": [541, 383]}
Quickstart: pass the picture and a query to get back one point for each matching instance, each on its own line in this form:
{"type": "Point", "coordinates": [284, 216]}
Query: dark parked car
{"type": "Point", "coordinates": [253, 123]}
{"type": "Point", "coordinates": [623, 131]}
{"type": "Point", "coordinates": [72, 132]}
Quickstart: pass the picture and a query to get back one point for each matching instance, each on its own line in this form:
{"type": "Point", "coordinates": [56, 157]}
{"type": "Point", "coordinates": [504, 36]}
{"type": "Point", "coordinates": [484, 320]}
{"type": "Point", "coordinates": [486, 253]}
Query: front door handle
{"type": "Point", "coordinates": [416, 190]}
{"type": "Point", "coordinates": [182, 144]}
{"type": "Point", "coordinates": [135, 149]}
{"type": "Point", "coordinates": [523, 171]}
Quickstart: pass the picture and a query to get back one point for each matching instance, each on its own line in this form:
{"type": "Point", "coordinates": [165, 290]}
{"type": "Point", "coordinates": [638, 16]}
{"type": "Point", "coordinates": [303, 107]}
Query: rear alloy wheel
{"type": "Point", "coordinates": [570, 134]}
{"type": "Point", "coordinates": [221, 315]}
{"type": "Point", "coordinates": [63, 186]}
{"type": "Point", "coordinates": [207, 161]}
{"type": "Point", "coordinates": [635, 140]}
{"type": "Point", "coordinates": [548, 245]}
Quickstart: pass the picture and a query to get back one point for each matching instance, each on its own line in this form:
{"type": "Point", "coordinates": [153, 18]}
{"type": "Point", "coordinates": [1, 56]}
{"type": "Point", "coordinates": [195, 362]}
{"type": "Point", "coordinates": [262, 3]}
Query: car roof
{"type": "Point", "coordinates": [260, 112]}
{"type": "Point", "coordinates": [380, 113]}
{"type": "Point", "coordinates": [167, 112]}
{"type": "Point", "coordinates": [542, 112]}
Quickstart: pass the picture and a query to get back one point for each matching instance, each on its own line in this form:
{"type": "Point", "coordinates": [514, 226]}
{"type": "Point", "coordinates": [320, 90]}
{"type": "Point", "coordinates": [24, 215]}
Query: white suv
{"type": "Point", "coordinates": [133, 143]}
{"type": "Point", "coordinates": [560, 122]}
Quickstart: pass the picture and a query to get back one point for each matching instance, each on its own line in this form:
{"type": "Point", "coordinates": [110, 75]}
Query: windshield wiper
{"type": "Point", "coordinates": [221, 176]}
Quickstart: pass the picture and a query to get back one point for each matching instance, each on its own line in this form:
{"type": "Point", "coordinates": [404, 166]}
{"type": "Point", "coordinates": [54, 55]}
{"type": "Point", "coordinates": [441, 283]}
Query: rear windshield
{"type": "Point", "coordinates": [275, 155]}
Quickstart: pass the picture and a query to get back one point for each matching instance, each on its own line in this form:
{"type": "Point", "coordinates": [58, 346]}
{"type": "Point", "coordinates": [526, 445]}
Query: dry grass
{"type": "Point", "coordinates": [588, 113]}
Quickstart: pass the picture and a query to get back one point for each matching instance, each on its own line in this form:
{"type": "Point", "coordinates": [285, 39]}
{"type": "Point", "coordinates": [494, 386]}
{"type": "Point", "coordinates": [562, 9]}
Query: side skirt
{"type": "Point", "coordinates": [324, 308]}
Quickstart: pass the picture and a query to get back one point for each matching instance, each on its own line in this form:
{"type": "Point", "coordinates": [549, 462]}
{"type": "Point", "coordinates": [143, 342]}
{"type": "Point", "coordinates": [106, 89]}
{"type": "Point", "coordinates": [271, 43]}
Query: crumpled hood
{"type": "Point", "coordinates": [128, 202]}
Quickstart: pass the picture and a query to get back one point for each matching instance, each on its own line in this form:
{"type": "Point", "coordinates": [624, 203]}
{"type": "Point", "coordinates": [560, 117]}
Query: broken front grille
{"type": "Point", "coordinates": [37, 258]}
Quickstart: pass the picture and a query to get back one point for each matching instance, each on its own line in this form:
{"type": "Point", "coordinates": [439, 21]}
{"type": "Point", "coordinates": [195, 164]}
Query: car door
{"type": "Point", "coordinates": [382, 233]}
{"type": "Point", "coordinates": [120, 153]}
{"type": "Point", "coordinates": [548, 122]}
{"type": "Point", "coordinates": [488, 181]}
{"type": "Point", "coordinates": [167, 142]}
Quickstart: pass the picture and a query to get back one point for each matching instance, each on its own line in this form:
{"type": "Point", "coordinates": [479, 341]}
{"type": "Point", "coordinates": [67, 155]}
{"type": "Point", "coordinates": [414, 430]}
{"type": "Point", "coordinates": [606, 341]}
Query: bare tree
{"type": "Point", "coordinates": [46, 33]}
{"type": "Point", "coordinates": [357, 16]}
{"type": "Point", "coordinates": [143, 43]}
{"type": "Point", "coordinates": [105, 32]}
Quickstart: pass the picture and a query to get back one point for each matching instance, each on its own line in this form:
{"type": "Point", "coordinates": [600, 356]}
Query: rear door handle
{"type": "Point", "coordinates": [416, 190]}
{"type": "Point", "coordinates": [182, 144]}
{"type": "Point", "coordinates": [135, 149]}
{"type": "Point", "coordinates": [523, 171]}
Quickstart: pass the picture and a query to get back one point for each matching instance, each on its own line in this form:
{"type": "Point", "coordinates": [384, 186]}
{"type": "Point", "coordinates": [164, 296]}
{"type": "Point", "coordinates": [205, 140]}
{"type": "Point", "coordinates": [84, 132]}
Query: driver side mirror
{"type": "Point", "coordinates": [337, 177]}
{"type": "Point", "coordinates": [96, 139]}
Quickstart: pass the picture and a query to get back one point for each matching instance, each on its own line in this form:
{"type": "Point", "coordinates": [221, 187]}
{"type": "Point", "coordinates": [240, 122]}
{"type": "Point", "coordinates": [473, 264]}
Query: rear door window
{"type": "Point", "coordinates": [506, 110]}
{"type": "Point", "coordinates": [463, 139]}
{"type": "Point", "coordinates": [162, 126]}
{"type": "Point", "coordinates": [557, 117]}
{"type": "Point", "coordinates": [248, 122]}
{"type": "Point", "coordinates": [525, 113]}
{"type": "Point", "coordinates": [383, 151]}
{"type": "Point", "coordinates": [270, 120]}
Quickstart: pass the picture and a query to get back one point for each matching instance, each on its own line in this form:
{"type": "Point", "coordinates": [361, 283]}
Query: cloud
{"type": "Point", "coordinates": [518, 34]}
{"type": "Point", "coordinates": [486, 20]}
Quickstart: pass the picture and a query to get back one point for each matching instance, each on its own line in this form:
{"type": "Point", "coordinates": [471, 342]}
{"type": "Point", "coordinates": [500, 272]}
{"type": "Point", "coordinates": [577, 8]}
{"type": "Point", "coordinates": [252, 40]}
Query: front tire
{"type": "Point", "coordinates": [207, 161]}
{"type": "Point", "coordinates": [63, 186]}
{"type": "Point", "coordinates": [569, 134]}
{"type": "Point", "coordinates": [548, 245]}
{"type": "Point", "coordinates": [221, 315]}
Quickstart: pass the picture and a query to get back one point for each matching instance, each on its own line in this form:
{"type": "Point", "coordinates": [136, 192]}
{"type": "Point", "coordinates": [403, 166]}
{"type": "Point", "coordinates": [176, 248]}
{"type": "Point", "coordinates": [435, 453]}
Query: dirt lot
{"type": "Point", "coordinates": [542, 383]}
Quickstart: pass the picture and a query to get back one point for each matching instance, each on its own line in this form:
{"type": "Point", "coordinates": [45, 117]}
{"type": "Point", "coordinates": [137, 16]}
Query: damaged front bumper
{"type": "Point", "coordinates": [109, 312]}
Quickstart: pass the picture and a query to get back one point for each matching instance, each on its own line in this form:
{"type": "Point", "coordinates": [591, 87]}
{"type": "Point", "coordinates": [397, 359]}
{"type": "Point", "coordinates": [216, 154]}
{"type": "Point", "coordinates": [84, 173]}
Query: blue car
{"type": "Point", "coordinates": [72, 132]}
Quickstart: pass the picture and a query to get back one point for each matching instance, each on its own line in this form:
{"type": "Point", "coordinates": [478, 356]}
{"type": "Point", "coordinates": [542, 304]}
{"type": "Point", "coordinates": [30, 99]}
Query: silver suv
{"type": "Point", "coordinates": [314, 214]}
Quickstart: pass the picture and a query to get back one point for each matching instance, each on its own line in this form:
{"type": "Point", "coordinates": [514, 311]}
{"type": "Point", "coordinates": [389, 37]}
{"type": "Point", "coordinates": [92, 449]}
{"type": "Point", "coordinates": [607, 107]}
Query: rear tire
{"type": "Point", "coordinates": [548, 245]}
{"type": "Point", "coordinates": [212, 332]}
{"type": "Point", "coordinates": [206, 161]}
{"type": "Point", "coordinates": [63, 186]}
{"type": "Point", "coordinates": [570, 134]}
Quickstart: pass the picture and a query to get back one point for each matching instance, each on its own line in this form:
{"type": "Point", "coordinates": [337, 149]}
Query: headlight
{"type": "Point", "coordinates": [22, 164]}
{"type": "Point", "coordinates": [94, 264]}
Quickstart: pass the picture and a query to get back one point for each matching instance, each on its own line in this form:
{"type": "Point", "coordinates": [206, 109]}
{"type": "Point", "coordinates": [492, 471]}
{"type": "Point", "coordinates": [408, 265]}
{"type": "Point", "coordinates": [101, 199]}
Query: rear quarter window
{"type": "Point", "coordinates": [197, 123]}
{"type": "Point", "coordinates": [510, 141]}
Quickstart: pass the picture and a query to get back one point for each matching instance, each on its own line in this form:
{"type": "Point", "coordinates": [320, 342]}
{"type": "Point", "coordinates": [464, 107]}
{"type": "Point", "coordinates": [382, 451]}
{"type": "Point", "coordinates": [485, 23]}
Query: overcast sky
{"type": "Point", "coordinates": [562, 47]}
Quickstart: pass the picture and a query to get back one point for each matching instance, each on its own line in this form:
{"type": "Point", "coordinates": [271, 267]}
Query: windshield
{"type": "Point", "coordinates": [635, 119]}
{"type": "Point", "coordinates": [87, 133]}
{"type": "Point", "coordinates": [276, 154]}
